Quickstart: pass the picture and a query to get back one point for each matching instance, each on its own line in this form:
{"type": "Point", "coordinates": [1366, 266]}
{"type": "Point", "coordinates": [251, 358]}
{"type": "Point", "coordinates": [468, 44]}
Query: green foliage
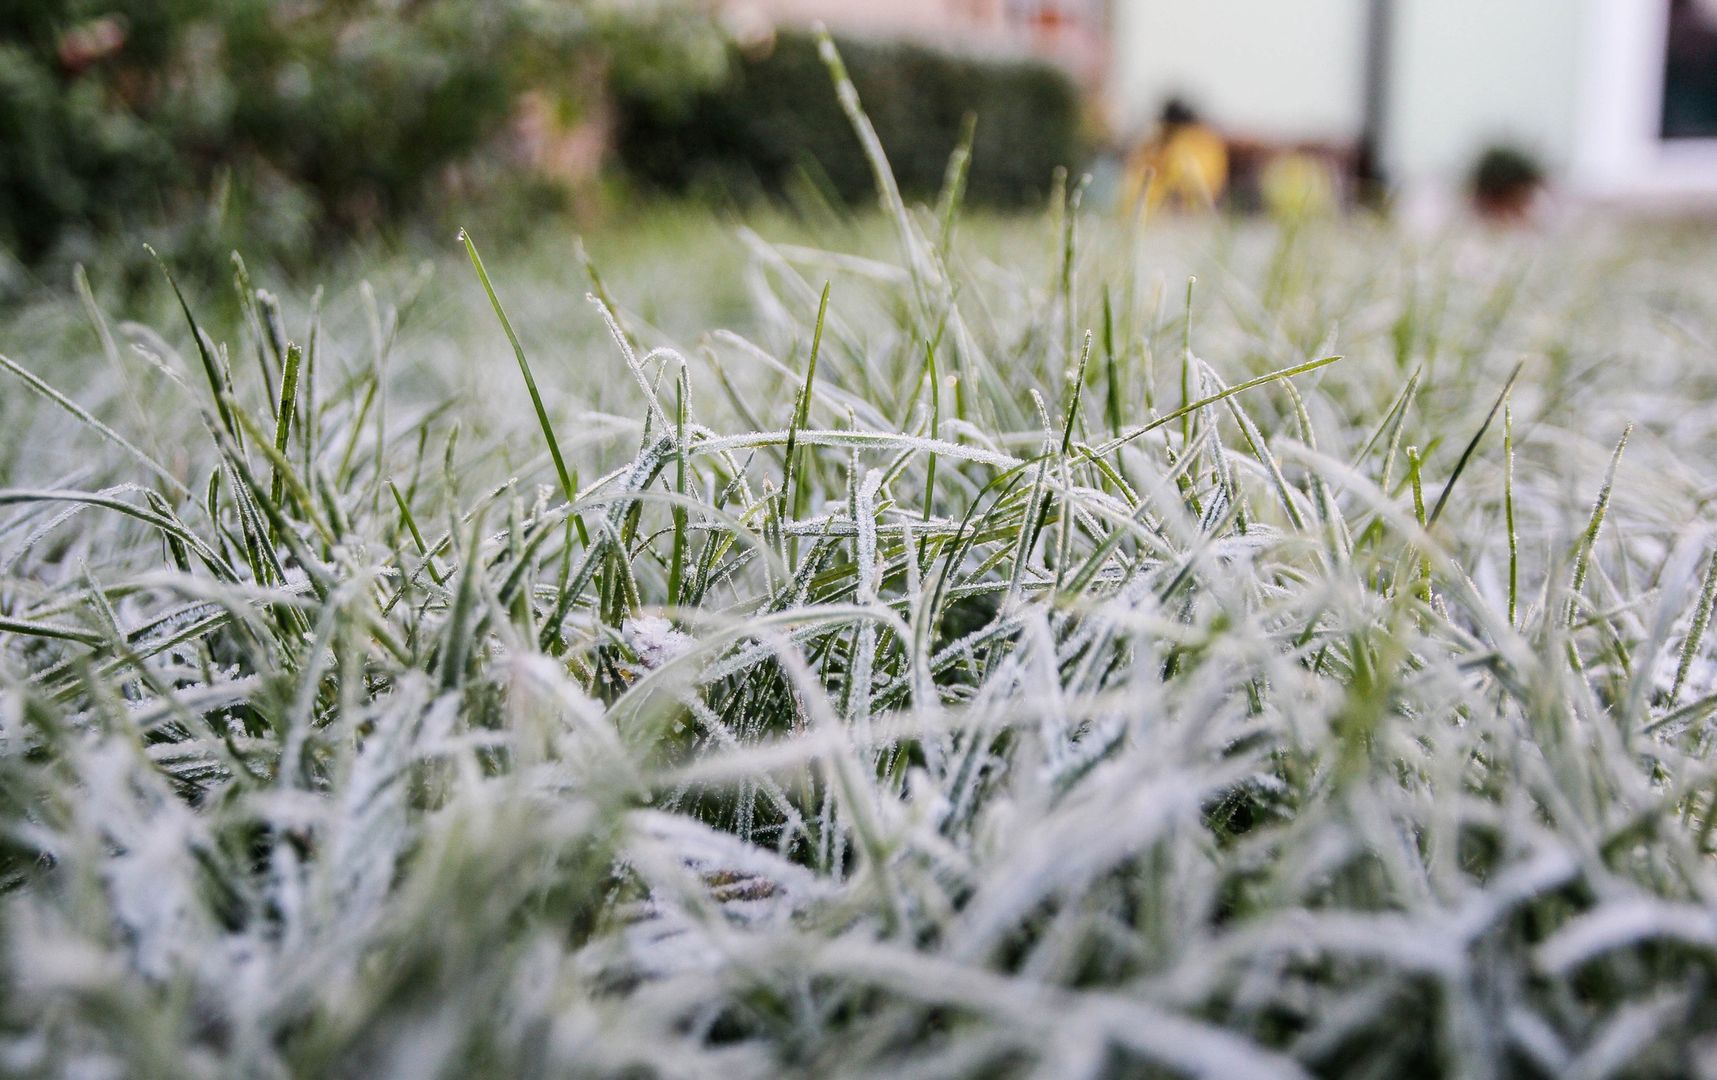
{"type": "Point", "coordinates": [772, 120]}
{"type": "Point", "coordinates": [317, 119]}
{"type": "Point", "coordinates": [76, 148]}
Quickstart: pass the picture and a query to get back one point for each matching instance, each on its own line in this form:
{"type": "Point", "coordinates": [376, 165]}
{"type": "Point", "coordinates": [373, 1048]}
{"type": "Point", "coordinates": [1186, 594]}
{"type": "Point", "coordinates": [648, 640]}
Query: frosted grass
{"type": "Point", "coordinates": [983, 700]}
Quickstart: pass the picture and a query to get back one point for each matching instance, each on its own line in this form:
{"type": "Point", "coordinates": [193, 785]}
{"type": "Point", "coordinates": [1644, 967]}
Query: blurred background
{"type": "Point", "coordinates": [291, 129]}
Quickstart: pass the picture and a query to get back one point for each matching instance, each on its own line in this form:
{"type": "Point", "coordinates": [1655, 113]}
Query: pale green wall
{"type": "Point", "coordinates": [1280, 68]}
{"type": "Point", "coordinates": [1472, 72]}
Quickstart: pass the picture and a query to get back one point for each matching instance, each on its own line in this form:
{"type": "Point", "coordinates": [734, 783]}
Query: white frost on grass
{"type": "Point", "coordinates": [654, 640]}
{"type": "Point", "coordinates": [1201, 757]}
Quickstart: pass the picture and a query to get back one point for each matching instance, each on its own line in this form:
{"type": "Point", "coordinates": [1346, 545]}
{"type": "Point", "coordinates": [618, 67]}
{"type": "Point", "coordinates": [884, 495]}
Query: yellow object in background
{"type": "Point", "coordinates": [1297, 185]}
{"type": "Point", "coordinates": [1184, 166]}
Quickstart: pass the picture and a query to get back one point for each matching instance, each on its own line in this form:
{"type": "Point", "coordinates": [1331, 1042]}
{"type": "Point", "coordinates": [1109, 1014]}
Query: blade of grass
{"type": "Point", "coordinates": [568, 483]}
{"type": "Point", "coordinates": [84, 417]}
{"type": "Point", "coordinates": [790, 488]}
{"type": "Point", "coordinates": [1112, 445]}
{"type": "Point", "coordinates": [1696, 632]}
{"type": "Point", "coordinates": [1508, 513]}
{"type": "Point", "coordinates": [1589, 538]}
{"type": "Point", "coordinates": [220, 386]}
{"type": "Point", "coordinates": [1467, 454]}
{"type": "Point", "coordinates": [283, 413]}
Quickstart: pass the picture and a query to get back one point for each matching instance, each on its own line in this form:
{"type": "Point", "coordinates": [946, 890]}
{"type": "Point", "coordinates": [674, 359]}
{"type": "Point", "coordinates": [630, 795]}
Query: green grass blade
{"type": "Point", "coordinates": [568, 485]}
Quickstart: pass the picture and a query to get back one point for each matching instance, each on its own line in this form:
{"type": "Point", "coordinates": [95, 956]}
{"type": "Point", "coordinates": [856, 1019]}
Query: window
{"type": "Point", "coordinates": [1690, 71]}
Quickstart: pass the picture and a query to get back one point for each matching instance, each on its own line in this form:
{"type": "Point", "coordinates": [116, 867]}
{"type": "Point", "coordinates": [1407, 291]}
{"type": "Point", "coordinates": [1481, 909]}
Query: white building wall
{"type": "Point", "coordinates": [1288, 69]}
{"type": "Point", "coordinates": [1470, 73]}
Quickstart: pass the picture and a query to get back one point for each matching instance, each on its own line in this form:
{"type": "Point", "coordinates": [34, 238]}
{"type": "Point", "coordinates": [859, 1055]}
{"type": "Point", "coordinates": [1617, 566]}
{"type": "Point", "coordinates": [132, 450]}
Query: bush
{"type": "Point", "coordinates": [76, 147]}
{"type": "Point", "coordinates": [775, 118]}
{"type": "Point", "coordinates": [319, 118]}
{"type": "Point", "coordinates": [1504, 171]}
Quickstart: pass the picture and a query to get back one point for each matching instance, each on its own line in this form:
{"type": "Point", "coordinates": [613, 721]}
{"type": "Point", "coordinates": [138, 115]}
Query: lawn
{"type": "Point", "coordinates": [907, 645]}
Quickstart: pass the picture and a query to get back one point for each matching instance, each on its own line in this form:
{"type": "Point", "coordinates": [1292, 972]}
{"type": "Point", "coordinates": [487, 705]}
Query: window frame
{"type": "Point", "coordinates": [1621, 149]}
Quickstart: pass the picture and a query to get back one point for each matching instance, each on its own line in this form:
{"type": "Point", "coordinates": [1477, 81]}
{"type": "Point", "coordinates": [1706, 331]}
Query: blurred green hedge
{"type": "Point", "coordinates": [775, 119]}
{"type": "Point", "coordinates": [284, 125]}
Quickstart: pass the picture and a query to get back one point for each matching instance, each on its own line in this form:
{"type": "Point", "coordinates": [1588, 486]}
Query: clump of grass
{"type": "Point", "coordinates": [917, 685]}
